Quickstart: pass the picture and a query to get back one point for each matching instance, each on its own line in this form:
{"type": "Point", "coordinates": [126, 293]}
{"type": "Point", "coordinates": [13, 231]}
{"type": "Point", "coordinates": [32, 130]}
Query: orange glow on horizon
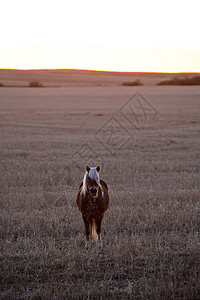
{"type": "Point", "coordinates": [92, 70]}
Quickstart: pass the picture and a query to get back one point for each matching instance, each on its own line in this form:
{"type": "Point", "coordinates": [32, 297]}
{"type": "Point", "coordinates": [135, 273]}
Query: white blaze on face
{"type": "Point", "coordinates": [93, 174]}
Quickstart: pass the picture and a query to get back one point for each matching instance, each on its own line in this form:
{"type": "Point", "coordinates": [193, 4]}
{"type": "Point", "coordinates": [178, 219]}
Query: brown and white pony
{"type": "Point", "coordinates": [92, 201]}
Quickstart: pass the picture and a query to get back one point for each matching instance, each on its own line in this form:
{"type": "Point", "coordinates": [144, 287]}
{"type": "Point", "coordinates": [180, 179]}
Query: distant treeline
{"type": "Point", "coordinates": [181, 81]}
{"type": "Point", "coordinates": [195, 80]}
{"type": "Point", "coordinates": [174, 81]}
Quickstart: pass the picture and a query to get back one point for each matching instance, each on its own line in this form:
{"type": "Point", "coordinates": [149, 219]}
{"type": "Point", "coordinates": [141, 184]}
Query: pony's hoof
{"type": "Point", "coordinates": [100, 245]}
{"type": "Point", "coordinates": [86, 246]}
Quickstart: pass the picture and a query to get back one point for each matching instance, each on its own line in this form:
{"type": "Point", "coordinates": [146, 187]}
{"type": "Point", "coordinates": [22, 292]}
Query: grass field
{"type": "Point", "coordinates": [151, 162]}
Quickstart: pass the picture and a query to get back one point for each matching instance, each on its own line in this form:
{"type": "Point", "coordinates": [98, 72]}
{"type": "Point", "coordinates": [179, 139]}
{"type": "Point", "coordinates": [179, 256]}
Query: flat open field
{"type": "Point", "coordinates": [148, 148]}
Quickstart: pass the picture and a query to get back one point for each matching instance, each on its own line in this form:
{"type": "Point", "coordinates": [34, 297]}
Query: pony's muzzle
{"type": "Point", "coordinates": [93, 191]}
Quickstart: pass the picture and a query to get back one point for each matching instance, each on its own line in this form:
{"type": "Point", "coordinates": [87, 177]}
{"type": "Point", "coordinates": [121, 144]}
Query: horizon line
{"type": "Point", "coordinates": [93, 70]}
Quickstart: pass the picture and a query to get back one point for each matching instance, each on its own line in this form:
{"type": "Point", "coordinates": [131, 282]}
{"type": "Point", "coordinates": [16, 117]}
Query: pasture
{"type": "Point", "coordinates": [151, 163]}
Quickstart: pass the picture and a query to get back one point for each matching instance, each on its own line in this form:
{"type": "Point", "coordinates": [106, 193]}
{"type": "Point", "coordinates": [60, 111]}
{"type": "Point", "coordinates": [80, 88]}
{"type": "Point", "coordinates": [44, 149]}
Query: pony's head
{"type": "Point", "coordinates": [91, 181]}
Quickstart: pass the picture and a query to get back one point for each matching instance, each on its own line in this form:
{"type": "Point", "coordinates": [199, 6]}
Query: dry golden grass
{"type": "Point", "coordinates": [151, 231]}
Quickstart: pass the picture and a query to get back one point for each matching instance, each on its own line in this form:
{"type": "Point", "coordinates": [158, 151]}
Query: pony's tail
{"type": "Point", "coordinates": [94, 232]}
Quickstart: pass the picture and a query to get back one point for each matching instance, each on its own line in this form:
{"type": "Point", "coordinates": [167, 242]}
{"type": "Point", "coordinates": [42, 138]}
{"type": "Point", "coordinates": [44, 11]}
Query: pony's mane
{"type": "Point", "coordinates": [92, 174]}
{"type": "Point", "coordinates": [84, 187]}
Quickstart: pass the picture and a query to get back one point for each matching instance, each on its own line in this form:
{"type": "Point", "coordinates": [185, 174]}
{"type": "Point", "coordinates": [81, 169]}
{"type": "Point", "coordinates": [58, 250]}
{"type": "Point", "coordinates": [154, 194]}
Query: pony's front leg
{"type": "Point", "coordinates": [99, 241]}
{"type": "Point", "coordinates": [87, 230]}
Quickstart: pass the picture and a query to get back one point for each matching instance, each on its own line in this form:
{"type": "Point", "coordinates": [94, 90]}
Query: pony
{"type": "Point", "coordinates": [92, 201]}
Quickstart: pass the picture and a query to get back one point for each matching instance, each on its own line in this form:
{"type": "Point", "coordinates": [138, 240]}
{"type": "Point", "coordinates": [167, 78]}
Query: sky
{"type": "Point", "coordinates": [125, 35]}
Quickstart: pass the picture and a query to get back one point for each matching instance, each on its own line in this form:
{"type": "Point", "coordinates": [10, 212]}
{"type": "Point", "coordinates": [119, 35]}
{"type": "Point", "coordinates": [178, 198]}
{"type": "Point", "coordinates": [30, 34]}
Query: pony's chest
{"type": "Point", "coordinates": [93, 204]}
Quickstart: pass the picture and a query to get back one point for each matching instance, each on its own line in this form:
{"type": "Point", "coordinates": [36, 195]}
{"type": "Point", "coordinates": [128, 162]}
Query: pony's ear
{"type": "Point", "coordinates": [87, 168]}
{"type": "Point", "coordinates": [98, 168]}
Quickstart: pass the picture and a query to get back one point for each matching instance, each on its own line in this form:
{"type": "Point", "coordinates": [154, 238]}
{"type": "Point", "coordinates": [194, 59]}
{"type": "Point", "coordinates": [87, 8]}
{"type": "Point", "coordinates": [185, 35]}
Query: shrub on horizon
{"type": "Point", "coordinates": [181, 81]}
{"type": "Point", "coordinates": [35, 83]}
{"type": "Point", "coordinates": [133, 83]}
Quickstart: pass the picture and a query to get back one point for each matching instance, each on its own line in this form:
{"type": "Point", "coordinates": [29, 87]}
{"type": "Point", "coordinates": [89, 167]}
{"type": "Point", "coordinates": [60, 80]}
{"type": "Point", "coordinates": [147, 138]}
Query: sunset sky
{"type": "Point", "coordinates": [151, 35]}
